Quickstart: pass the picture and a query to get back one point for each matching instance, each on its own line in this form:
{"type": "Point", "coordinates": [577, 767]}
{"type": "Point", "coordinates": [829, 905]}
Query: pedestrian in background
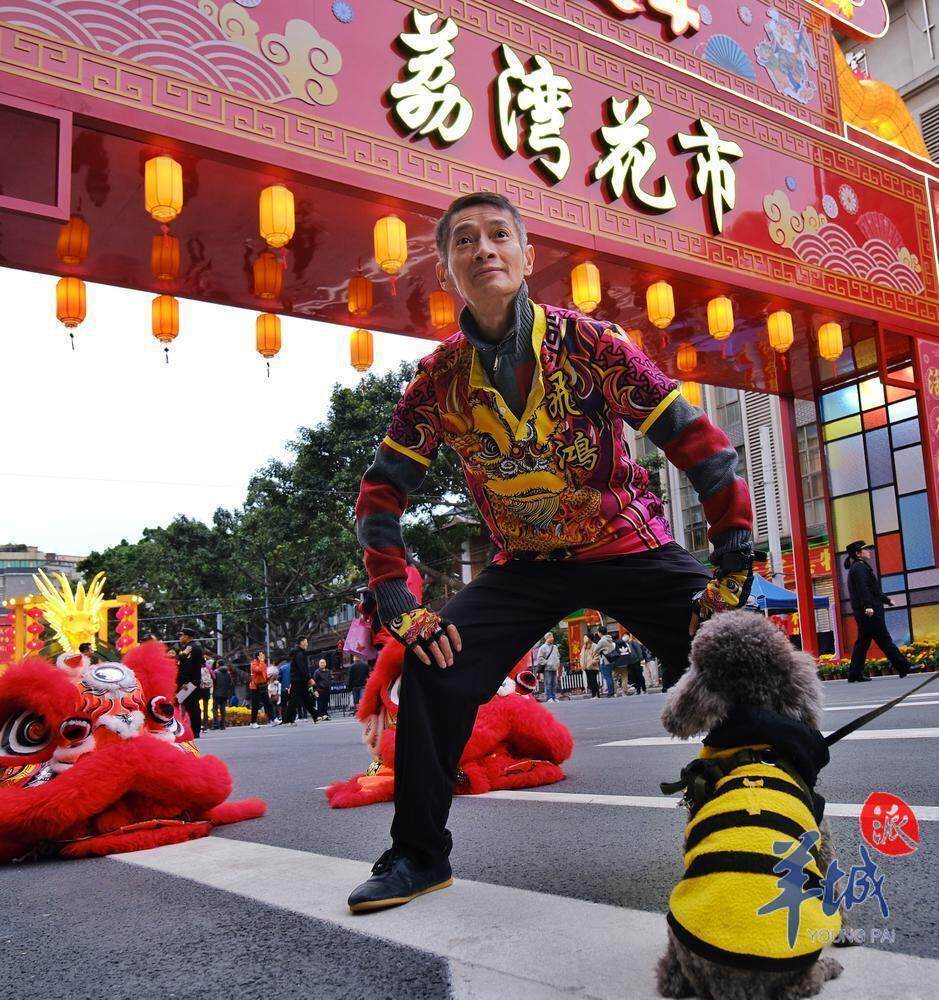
{"type": "Point", "coordinates": [605, 650]}
{"type": "Point", "coordinates": [323, 682]}
{"type": "Point", "coordinates": [189, 663]}
{"type": "Point", "coordinates": [206, 681]}
{"type": "Point", "coordinates": [257, 686]}
{"type": "Point", "coordinates": [283, 675]}
{"type": "Point", "coordinates": [548, 662]}
{"type": "Point", "coordinates": [358, 678]}
{"type": "Point", "coordinates": [590, 664]}
{"type": "Point", "coordinates": [867, 604]}
{"type": "Point", "coordinates": [301, 697]}
{"type": "Point", "coordinates": [274, 691]}
{"type": "Point", "coordinates": [222, 690]}
{"type": "Point", "coordinates": [632, 652]}
{"type": "Point", "coordinates": [650, 668]}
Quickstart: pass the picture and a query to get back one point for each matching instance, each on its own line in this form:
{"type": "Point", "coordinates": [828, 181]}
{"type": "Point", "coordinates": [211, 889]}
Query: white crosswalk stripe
{"type": "Point", "coordinates": [903, 704]}
{"type": "Point", "coordinates": [861, 734]}
{"type": "Point", "coordinates": [839, 809]}
{"type": "Point", "coordinates": [499, 941]}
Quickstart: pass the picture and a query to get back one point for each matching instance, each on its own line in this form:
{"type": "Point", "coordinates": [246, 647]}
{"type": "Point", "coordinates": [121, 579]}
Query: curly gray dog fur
{"type": "Point", "coordinates": [740, 658]}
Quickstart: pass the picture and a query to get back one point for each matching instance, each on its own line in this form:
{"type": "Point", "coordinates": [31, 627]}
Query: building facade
{"type": "Point", "coordinates": [18, 563]}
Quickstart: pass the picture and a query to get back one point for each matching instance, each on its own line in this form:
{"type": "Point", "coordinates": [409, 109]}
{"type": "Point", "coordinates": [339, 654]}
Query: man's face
{"type": "Point", "coordinates": [485, 260]}
{"type": "Point", "coordinates": [549, 639]}
{"type": "Point", "coordinates": [865, 554]}
{"type": "Point", "coordinates": [184, 637]}
{"type": "Point", "coordinates": [322, 664]}
{"type": "Point", "coordinates": [304, 643]}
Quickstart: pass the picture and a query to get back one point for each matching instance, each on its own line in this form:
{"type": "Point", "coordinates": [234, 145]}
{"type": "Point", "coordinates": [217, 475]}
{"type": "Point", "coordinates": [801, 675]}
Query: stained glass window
{"type": "Point", "coordinates": [877, 483]}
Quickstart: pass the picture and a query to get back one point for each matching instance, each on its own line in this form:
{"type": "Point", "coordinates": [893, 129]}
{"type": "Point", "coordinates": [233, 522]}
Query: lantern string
{"type": "Point", "coordinates": [164, 229]}
{"type": "Point", "coordinates": [394, 285]}
{"type": "Point", "coordinates": [166, 351]}
{"type": "Point", "coordinates": [71, 337]}
{"type": "Point", "coordinates": [268, 370]}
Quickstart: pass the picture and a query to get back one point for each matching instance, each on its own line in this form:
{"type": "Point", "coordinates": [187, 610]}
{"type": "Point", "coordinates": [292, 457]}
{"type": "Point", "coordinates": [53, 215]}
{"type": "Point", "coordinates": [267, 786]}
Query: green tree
{"type": "Point", "coordinates": [296, 527]}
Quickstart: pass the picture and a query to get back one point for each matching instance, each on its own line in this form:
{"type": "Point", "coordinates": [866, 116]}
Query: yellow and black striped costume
{"type": "Point", "coordinates": [729, 876]}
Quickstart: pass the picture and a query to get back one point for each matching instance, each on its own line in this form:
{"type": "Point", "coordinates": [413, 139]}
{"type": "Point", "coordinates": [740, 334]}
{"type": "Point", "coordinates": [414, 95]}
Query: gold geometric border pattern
{"type": "Point", "coordinates": [69, 66]}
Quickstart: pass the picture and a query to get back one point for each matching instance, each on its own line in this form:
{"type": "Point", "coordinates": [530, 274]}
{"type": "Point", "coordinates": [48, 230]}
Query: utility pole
{"type": "Point", "coordinates": [267, 615]}
{"type": "Point", "coordinates": [218, 633]}
{"type": "Point", "coordinates": [772, 508]}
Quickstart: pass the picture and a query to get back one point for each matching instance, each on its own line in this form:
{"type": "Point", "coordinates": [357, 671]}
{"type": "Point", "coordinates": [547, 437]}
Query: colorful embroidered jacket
{"type": "Point", "coordinates": [559, 482]}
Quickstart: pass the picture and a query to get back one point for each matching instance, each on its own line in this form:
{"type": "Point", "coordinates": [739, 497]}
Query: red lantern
{"type": "Point", "coordinates": [35, 614]}
{"type": "Point", "coordinates": [124, 642]}
{"type": "Point", "coordinates": [35, 629]}
{"type": "Point", "coordinates": [35, 644]}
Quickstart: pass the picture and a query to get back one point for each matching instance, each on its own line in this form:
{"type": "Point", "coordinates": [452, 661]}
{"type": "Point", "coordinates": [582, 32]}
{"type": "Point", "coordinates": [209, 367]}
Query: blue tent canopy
{"type": "Point", "coordinates": [773, 599]}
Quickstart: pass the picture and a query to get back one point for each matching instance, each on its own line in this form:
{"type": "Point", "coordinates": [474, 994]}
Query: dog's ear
{"type": "Point", "coordinates": [692, 707]}
{"type": "Point", "coordinates": [800, 691]}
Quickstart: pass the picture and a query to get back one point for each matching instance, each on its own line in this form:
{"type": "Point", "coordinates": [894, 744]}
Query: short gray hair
{"type": "Point", "coordinates": [469, 201]}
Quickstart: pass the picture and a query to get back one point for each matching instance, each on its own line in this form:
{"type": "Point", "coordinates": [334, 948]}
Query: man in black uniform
{"type": "Point", "coordinates": [190, 661]}
{"type": "Point", "coordinates": [867, 604]}
{"type": "Point", "coordinates": [300, 694]}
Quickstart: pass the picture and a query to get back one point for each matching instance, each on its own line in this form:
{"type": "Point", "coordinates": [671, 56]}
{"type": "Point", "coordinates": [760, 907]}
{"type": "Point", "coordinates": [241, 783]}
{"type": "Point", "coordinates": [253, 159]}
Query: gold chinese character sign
{"type": "Point", "coordinates": [541, 98]}
{"type": "Point", "coordinates": [427, 101]}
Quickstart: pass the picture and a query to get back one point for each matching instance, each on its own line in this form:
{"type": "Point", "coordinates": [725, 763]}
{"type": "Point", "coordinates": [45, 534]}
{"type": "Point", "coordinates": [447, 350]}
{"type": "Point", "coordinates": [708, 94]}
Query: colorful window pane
{"type": "Point", "coordinates": [879, 457]}
{"type": "Point", "coordinates": [846, 470]}
{"type": "Point", "coordinates": [905, 433]}
{"type": "Point", "coordinates": [893, 583]}
{"type": "Point", "coordinates": [841, 403]}
{"type": "Point", "coordinates": [875, 418]}
{"type": "Point", "coordinates": [889, 554]}
{"type": "Point", "coordinates": [843, 428]}
{"type": "Point", "coordinates": [872, 394]}
{"type": "Point", "coordinates": [917, 534]}
{"type": "Point", "coordinates": [894, 394]}
{"type": "Point", "coordinates": [885, 509]}
{"type": "Point", "coordinates": [851, 517]}
{"type": "Point", "coordinates": [928, 596]}
{"type": "Point", "coordinates": [902, 411]}
{"type": "Point", "coordinates": [897, 621]}
{"type": "Point", "coordinates": [911, 476]}
{"type": "Point", "coordinates": [926, 623]}
{"type": "Point", "coordinates": [924, 578]}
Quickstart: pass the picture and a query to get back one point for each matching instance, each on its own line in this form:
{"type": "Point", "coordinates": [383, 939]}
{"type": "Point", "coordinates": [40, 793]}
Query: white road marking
{"type": "Point", "coordinates": [845, 809]}
{"type": "Point", "coordinates": [495, 937]}
{"type": "Point", "coordinates": [861, 734]}
{"type": "Point", "coordinates": [903, 704]}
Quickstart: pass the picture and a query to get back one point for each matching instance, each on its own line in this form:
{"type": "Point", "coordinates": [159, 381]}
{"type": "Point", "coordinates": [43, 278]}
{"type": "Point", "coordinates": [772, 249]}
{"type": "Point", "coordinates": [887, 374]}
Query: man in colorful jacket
{"type": "Point", "coordinates": [535, 401]}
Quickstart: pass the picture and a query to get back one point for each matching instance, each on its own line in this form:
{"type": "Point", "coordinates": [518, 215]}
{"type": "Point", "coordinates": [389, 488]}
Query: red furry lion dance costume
{"type": "Point", "coordinates": [516, 743]}
{"type": "Point", "coordinates": [94, 759]}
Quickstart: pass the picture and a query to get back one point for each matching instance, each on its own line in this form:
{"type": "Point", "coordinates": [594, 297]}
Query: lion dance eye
{"type": "Point", "coordinates": [24, 734]}
{"type": "Point", "coordinates": [75, 730]}
{"type": "Point", "coordinates": [161, 708]}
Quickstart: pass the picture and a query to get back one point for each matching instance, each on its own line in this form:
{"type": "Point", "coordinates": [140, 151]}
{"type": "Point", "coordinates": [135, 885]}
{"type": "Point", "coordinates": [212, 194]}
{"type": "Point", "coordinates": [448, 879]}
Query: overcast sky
{"type": "Point", "coordinates": [99, 443]}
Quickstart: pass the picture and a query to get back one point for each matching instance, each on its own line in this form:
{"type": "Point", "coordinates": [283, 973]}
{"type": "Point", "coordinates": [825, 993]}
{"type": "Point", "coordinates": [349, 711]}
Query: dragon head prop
{"type": "Point", "coordinates": [73, 615]}
{"type": "Point", "coordinates": [95, 759]}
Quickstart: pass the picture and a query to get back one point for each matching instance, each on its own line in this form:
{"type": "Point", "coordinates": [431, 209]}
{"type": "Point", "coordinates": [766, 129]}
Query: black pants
{"type": "Point", "coordinates": [874, 628]}
{"type": "Point", "coordinates": [634, 673]}
{"type": "Point", "coordinates": [261, 699]}
{"type": "Point", "coordinates": [500, 615]}
{"type": "Point", "coordinates": [357, 696]}
{"type": "Point", "coordinates": [322, 703]}
{"type": "Point", "coordinates": [593, 682]}
{"type": "Point", "coordinates": [300, 697]}
{"type": "Point", "coordinates": [193, 708]}
{"type": "Point", "coordinates": [219, 708]}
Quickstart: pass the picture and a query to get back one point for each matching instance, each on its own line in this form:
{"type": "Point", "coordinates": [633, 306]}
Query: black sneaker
{"type": "Point", "coordinates": [397, 880]}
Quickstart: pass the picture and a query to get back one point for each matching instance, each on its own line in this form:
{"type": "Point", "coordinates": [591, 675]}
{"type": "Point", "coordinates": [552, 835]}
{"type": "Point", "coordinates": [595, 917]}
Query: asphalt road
{"type": "Point", "coordinates": [558, 895]}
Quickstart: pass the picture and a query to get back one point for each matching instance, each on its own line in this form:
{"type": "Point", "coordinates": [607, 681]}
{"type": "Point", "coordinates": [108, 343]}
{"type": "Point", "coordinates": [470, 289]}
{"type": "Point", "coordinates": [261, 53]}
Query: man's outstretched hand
{"type": "Point", "coordinates": [427, 635]}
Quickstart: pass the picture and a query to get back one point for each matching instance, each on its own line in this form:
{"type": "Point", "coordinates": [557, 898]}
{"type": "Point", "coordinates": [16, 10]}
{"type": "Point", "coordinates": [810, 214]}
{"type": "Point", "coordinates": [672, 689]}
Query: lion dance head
{"type": "Point", "coordinates": [96, 759]}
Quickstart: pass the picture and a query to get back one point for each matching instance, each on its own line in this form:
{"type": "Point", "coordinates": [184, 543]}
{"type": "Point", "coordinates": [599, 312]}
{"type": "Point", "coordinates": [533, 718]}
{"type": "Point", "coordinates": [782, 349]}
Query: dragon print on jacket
{"type": "Point", "coordinates": [559, 482]}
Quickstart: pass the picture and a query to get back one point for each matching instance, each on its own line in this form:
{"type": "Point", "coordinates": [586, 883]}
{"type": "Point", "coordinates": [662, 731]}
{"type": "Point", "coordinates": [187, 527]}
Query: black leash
{"type": "Point", "coordinates": [862, 720]}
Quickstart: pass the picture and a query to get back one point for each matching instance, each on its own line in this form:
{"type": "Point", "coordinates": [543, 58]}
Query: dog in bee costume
{"type": "Point", "coordinates": [750, 794]}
